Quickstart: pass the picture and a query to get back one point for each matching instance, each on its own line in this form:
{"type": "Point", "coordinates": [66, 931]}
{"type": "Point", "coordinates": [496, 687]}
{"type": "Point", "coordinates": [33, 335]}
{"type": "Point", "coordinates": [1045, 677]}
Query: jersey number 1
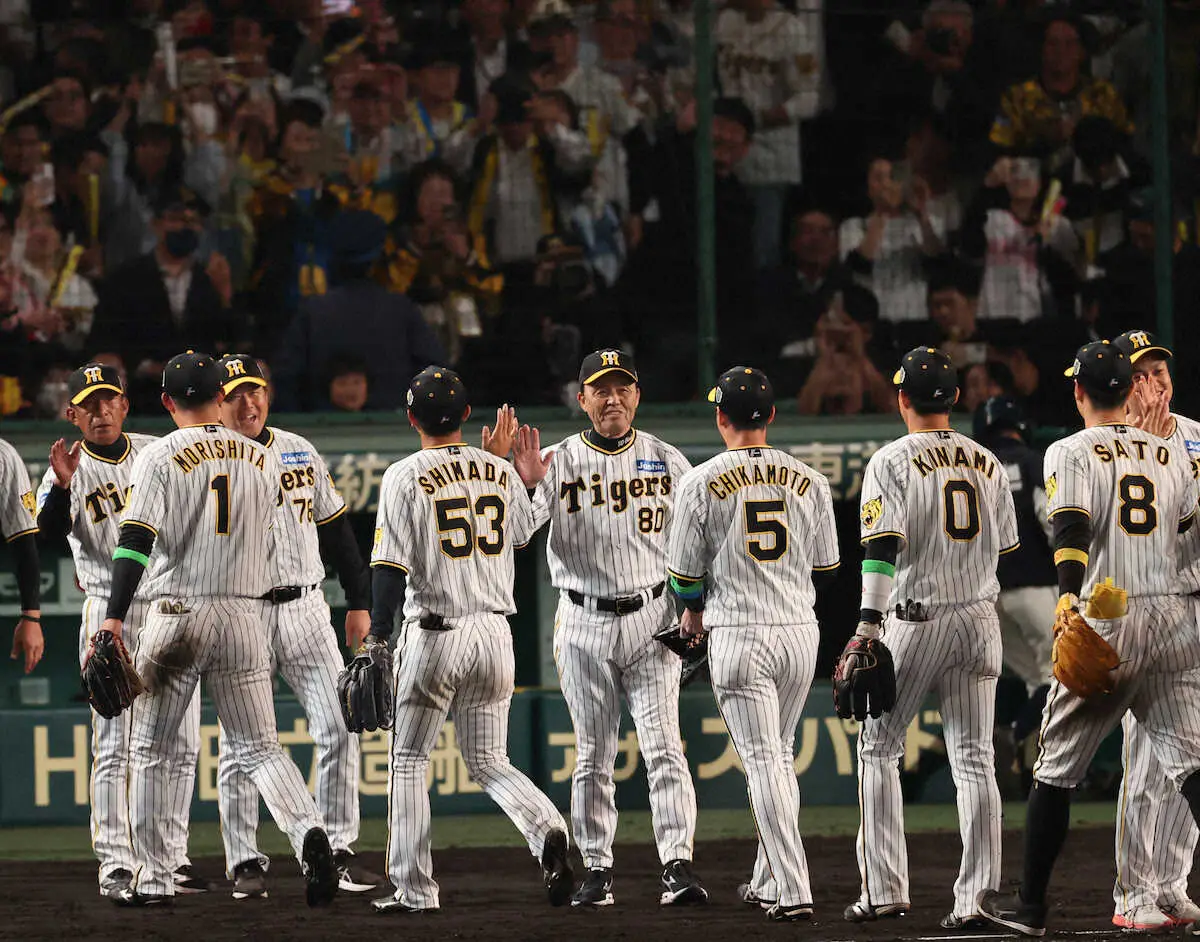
{"type": "Point", "coordinates": [220, 488]}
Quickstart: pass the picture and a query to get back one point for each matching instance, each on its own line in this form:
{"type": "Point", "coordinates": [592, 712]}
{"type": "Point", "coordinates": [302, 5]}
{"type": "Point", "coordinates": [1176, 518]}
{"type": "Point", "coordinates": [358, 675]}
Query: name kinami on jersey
{"type": "Point", "coordinates": [192, 456]}
{"type": "Point", "coordinates": [930, 459]}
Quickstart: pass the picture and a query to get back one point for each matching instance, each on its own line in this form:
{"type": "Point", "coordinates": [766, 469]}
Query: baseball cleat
{"type": "Point", "coordinates": [129, 897]}
{"type": "Point", "coordinates": [972, 923]}
{"type": "Point", "coordinates": [1008, 909]}
{"type": "Point", "coordinates": [681, 886]}
{"type": "Point", "coordinates": [800, 913]}
{"type": "Point", "coordinates": [115, 882]}
{"type": "Point", "coordinates": [747, 894]}
{"type": "Point", "coordinates": [249, 881]}
{"type": "Point", "coordinates": [556, 869]}
{"type": "Point", "coordinates": [320, 875]}
{"type": "Point", "coordinates": [596, 888]}
{"type": "Point", "coordinates": [1145, 919]}
{"type": "Point", "coordinates": [351, 877]}
{"type": "Point", "coordinates": [860, 911]}
{"type": "Point", "coordinates": [187, 882]}
{"type": "Point", "coordinates": [390, 904]}
{"type": "Point", "coordinates": [1183, 912]}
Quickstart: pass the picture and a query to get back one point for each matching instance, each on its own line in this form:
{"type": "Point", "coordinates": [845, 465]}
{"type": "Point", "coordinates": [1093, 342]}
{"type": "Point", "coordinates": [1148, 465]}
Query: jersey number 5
{"type": "Point", "coordinates": [453, 519]}
{"type": "Point", "coordinates": [760, 521]}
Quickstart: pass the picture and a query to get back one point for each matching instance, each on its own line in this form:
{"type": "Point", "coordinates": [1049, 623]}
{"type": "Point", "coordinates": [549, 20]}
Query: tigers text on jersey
{"type": "Point", "coordinates": [608, 513]}
{"type": "Point", "coordinates": [99, 493]}
{"type": "Point", "coordinates": [759, 521]}
{"type": "Point", "coordinates": [209, 495]}
{"type": "Point", "coordinates": [948, 500]}
{"type": "Point", "coordinates": [450, 517]}
{"type": "Point", "coordinates": [307, 498]}
{"type": "Point", "coordinates": [18, 509]}
{"type": "Point", "coordinates": [1136, 488]}
{"type": "Point", "coordinates": [1186, 436]}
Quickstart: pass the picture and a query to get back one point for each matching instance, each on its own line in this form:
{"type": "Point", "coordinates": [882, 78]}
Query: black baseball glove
{"type": "Point", "coordinates": [108, 675]}
{"type": "Point", "coordinates": [864, 681]}
{"type": "Point", "coordinates": [365, 688]}
{"type": "Point", "coordinates": [693, 651]}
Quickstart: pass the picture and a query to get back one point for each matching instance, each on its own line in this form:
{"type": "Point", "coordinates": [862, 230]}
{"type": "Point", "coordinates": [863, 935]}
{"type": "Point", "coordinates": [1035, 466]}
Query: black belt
{"type": "Point", "coordinates": [626, 605]}
{"type": "Point", "coordinates": [287, 593]}
{"type": "Point", "coordinates": [433, 622]}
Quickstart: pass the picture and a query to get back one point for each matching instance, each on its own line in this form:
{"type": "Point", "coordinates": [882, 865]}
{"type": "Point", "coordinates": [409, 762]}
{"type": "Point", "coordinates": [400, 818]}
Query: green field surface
{"type": "Point", "coordinates": [482, 830]}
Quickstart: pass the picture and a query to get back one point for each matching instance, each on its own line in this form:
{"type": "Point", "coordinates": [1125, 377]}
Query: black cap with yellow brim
{"type": "Point", "coordinates": [600, 362]}
{"type": "Point", "coordinates": [238, 369]}
{"type": "Point", "coordinates": [92, 378]}
{"type": "Point", "coordinates": [1135, 344]}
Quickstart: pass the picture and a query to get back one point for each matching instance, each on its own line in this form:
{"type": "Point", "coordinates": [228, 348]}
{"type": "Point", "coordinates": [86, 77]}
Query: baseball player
{"type": "Point", "coordinates": [203, 501]}
{"type": "Point", "coordinates": [936, 515]}
{"type": "Point", "coordinates": [1118, 497]}
{"type": "Point", "coordinates": [449, 519]}
{"type": "Point", "coordinates": [18, 525]}
{"type": "Point", "coordinates": [1027, 593]}
{"type": "Point", "coordinates": [1156, 839]}
{"type": "Point", "coordinates": [760, 524]}
{"type": "Point", "coordinates": [81, 497]}
{"type": "Point", "coordinates": [312, 523]}
{"type": "Point", "coordinates": [608, 493]}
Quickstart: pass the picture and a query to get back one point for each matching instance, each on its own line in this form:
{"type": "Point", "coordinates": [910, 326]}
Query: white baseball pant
{"type": "Point", "coordinates": [1027, 632]}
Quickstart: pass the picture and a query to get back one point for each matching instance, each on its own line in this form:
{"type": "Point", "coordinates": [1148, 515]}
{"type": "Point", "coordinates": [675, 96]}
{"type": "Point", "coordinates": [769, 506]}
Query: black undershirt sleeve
{"type": "Point", "coordinates": [1072, 531]}
{"type": "Point", "coordinates": [54, 519]}
{"type": "Point", "coordinates": [339, 547]}
{"type": "Point", "coordinates": [885, 549]}
{"type": "Point", "coordinates": [387, 593]}
{"type": "Point", "coordinates": [127, 573]}
{"type": "Point", "coordinates": [28, 570]}
{"type": "Point", "coordinates": [823, 578]}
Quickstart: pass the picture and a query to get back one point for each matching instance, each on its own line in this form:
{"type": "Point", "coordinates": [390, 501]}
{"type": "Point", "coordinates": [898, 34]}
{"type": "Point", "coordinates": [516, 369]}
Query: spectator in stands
{"type": "Point", "coordinates": [490, 50]}
{"type": "Point", "coordinates": [1038, 116]}
{"type": "Point", "coordinates": [768, 58]}
{"type": "Point", "coordinates": [355, 318]}
{"type": "Point", "coordinates": [440, 266]}
{"type": "Point", "coordinates": [1029, 252]}
{"type": "Point", "coordinates": [22, 152]}
{"type": "Point", "coordinates": [525, 170]}
{"type": "Point", "coordinates": [349, 388]}
{"type": "Point", "coordinates": [952, 301]}
{"type": "Point", "coordinates": [372, 140]}
{"type": "Point", "coordinates": [886, 249]}
{"type": "Point", "coordinates": [139, 172]}
{"type": "Point", "coordinates": [250, 47]}
{"type": "Point", "coordinates": [1098, 184]}
{"type": "Point", "coordinates": [843, 380]}
{"type": "Point", "coordinates": [434, 114]}
{"type": "Point", "coordinates": [69, 104]}
{"type": "Point", "coordinates": [165, 301]}
{"type": "Point", "coordinates": [52, 282]}
{"type": "Point", "coordinates": [979, 382]}
{"type": "Point", "coordinates": [78, 159]}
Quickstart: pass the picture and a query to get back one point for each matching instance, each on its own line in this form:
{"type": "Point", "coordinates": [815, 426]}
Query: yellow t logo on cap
{"type": "Point", "coordinates": [235, 368]}
{"type": "Point", "coordinates": [92, 374]}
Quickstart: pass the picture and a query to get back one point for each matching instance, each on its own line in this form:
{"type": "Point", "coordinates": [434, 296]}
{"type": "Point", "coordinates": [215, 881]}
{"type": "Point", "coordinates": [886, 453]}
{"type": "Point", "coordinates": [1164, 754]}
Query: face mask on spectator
{"type": "Point", "coordinates": [180, 243]}
{"type": "Point", "coordinates": [204, 117]}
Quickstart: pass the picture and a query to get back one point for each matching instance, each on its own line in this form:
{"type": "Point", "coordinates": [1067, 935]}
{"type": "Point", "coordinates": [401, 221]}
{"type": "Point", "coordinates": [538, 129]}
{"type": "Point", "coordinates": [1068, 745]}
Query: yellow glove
{"type": "Point", "coordinates": [1107, 601]}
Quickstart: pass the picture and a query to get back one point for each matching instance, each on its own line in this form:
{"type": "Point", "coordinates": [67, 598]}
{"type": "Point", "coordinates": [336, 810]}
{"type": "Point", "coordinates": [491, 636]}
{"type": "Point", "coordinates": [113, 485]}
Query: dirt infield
{"type": "Point", "coordinates": [497, 894]}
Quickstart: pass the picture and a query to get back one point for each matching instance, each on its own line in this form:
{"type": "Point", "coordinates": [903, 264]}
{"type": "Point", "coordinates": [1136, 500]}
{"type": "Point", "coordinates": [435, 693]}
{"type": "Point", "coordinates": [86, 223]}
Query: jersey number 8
{"type": "Point", "coordinates": [454, 520]}
{"type": "Point", "coordinates": [1137, 514]}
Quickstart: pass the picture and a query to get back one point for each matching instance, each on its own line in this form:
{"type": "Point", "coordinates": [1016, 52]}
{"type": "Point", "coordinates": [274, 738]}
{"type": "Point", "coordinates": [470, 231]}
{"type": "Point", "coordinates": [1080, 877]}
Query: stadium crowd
{"type": "Point", "coordinates": [353, 192]}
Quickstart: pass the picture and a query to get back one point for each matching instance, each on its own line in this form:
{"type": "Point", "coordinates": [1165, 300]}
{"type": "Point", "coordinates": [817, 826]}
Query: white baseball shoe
{"type": "Point", "coordinates": [1144, 919]}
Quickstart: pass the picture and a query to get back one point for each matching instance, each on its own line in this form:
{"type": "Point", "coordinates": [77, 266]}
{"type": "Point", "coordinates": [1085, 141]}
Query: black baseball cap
{"type": "Point", "coordinates": [238, 369]}
{"type": "Point", "coordinates": [180, 199]}
{"type": "Point", "coordinates": [1101, 366]}
{"type": "Point", "coordinates": [928, 376]}
{"type": "Point", "coordinates": [437, 398]}
{"type": "Point", "coordinates": [744, 394]}
{"type": "Point", "coordinates": [1135, 344]}
{"type": "Point", "coordinates": [192, 378]}
{"type": "Point", "coordinates": [91, 378]}
{"type": "Point", "coordinates": [601, 362]}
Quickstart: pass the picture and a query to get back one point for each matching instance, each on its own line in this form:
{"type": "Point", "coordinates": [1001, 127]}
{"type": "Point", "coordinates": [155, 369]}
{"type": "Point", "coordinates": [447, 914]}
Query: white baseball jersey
{"type": "Point", "coordinates": [948, 498]}
{"type": "Point", "coordinates": [767, 64]}
{"type": "Point", "coordinates": [99, 492]}
{"type": "Point", "coordinates": [450, 517]}
{"type": "Point", "coordinates": [18, 510]}
{"type": "Point", "coordinates": [608, 513]}
{"type": "Point", "coordinates": [209, 495]}
{"type": "Point", "coordinates": [307, 498]}
{"type": "Point", "coordinates": [1186, 437]}
{"type": "Point", "coordinates": [1135, 488]}
{"type": "Point", "coordinates": [759, 521]}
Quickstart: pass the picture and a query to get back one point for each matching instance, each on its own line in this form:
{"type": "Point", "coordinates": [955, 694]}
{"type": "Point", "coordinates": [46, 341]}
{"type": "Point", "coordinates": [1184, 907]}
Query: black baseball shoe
{"type": "Point", "coordinates": [351, 877]}
{"type": "Point", "coordinates": [964, 923]}
{"type": "Point", "coordinates": [748, 896]}
{"type": "Point", "coordinates": [681, 887]}
{"type": "Point", "coordinates": [556, 868]}
{"type": "Point", "coordinates": [188, 882]}
{"type": "Point", "coordinates": [115, 883]}
{"type": "Point", "coordinates": [249, 881]}
{"type": "Point", "coordinates": [1009, 910]}
{"type": "Point", "coordinates": [596, 888]}
{"type": "Point", "coordinates": [320, 874]}
{"type": "Point", "coordinates": [390, 904]}
{"type": "Point", "coordinates": [800, 913]}
{"type": "Point", "coordinates": [860, 911]}
{"type": "Point", "coordinates": [129, 897]}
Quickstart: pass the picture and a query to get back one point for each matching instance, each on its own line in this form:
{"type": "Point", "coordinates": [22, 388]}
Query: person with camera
{"type": "Point", "coordinates": [843, 380]}
{"type": "Point", "coordinates": [886, 248]}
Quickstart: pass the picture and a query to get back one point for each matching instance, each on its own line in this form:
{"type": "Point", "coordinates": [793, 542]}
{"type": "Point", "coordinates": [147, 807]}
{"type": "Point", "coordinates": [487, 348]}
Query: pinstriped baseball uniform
{"type": "Point", "coordinates": [209, 495]}
{"type": "Point", "coordinates": [1136, 489]}
{"type": "Point", "coordinates": [759, 521]}
{"type": "Point", "coordinates": [609, 512]}
{"type": "Point", "coordinates": [948, 500]}
{"type": "Point", "coordinates": [304, 650]}
{"type": "Point", "coordinates": [1156, 834]}
{"type": "Point", "coordinates": [99, 490]}
{"type": "Point", "coordinates": [18, 511]}
{"type": "Point", "coordinates": [450, 518]}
